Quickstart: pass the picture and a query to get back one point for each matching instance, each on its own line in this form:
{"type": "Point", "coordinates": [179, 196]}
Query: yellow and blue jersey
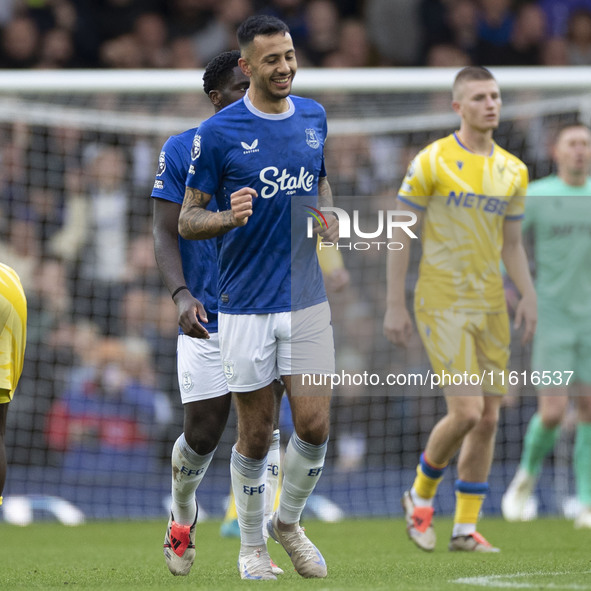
{"type": "Point", "coordinates": [13, 331]}
{"type": "Point", "coordinates": [466, 198]}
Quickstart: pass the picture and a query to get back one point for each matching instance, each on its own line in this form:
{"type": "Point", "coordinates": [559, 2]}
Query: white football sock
{"type": "Point", "coordinates": [188, 469]}
{"type": "Point", "coordinates": [418, 500]}
{"type": "Point", "coordinates": [302, 466]}
{"type": "Point", "coordinates": [248, 483]}
{"type": "Point", "coordinates": [463, 529]}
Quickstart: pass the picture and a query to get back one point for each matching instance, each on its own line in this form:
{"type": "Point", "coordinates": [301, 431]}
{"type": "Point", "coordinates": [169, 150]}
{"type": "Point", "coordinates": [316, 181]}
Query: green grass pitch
{"type": "Point", "coordinates": [361, 554]}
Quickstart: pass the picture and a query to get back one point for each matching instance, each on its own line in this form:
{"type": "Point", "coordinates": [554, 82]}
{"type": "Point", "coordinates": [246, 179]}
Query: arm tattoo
{"type": "Point", "coordinates": [198, 223]}
{"type": "Point", "coordinates": [324, 192]}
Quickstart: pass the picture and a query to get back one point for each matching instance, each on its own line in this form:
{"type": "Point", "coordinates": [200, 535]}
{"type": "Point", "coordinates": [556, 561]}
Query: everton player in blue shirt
{"type": "Point", "coordinates": [262, 158]}
{"type": "Point", "coordinates": [189, 270]}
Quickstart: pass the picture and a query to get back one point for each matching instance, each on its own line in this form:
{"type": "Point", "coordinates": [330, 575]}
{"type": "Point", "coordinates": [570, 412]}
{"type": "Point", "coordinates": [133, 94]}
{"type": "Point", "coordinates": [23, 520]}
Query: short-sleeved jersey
{"type": "Point", "coordinates": [269, 265]}
{"type": "Point", "coordinates": [560, 217]}
{"type": "Point", "coordinates": [12, 292]}
{"type": "Point", "coordinates": [466, 198]}
{"type": "Point", "coordinates": [198, 256]}
{"type": "Point", "coordinates": [13, 331]}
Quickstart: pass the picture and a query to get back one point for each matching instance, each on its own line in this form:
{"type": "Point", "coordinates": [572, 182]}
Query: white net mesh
{"type": "Point", "coordinates": [98, 409]}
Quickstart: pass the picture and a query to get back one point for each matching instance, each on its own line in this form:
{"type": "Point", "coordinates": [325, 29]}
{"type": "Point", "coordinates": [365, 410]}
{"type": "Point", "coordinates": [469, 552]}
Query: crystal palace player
{"type": "Point", "coordinates": [470, 193]}
{"type": "Point", "coordinates": [263, 159]}
{"type": "Point", "coordinates": [13, 336]}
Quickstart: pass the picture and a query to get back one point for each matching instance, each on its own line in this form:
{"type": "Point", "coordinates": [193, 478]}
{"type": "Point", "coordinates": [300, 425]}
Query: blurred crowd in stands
{"type": "Point", "coordinates": [75, 224]}
{"type": "Point", "coordinates": [327, 33]}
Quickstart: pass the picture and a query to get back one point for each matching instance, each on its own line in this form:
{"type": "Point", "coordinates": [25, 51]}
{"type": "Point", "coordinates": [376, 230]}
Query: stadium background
{"type": "Point", "coordinates": [98, 408]}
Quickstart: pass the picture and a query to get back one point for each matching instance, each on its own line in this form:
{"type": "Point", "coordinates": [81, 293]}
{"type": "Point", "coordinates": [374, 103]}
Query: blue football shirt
{"type": "Point", "coordinates": [198, 256]}
{"type": "Point", "coordinates": [270, 264]}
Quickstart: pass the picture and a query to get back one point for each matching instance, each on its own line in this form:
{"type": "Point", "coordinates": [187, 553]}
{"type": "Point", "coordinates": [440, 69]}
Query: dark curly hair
{"type": "Point", "coordinates": [219, 70]}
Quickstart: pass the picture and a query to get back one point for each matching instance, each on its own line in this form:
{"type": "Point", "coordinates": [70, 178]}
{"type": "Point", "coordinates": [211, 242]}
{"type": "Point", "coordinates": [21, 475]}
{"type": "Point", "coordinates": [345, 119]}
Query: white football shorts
{"type": "Point", "coordinates": [258, 348]}
{"type": "Point", "coordinates": [199, 366]}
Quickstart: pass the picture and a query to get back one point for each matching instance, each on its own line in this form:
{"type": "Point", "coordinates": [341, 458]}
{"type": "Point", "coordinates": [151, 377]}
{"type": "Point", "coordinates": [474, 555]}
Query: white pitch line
{"type": "Point", "coordinates": [500, 581]}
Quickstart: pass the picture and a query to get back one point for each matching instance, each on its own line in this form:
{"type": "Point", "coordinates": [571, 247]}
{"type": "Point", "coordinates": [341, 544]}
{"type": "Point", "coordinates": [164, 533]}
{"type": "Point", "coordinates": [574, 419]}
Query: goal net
{"type": "Point", "coordinates": [97, 409]}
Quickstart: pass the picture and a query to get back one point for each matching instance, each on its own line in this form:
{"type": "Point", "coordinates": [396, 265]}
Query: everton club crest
{"type": "Point", "coordinates": [312, 139]}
